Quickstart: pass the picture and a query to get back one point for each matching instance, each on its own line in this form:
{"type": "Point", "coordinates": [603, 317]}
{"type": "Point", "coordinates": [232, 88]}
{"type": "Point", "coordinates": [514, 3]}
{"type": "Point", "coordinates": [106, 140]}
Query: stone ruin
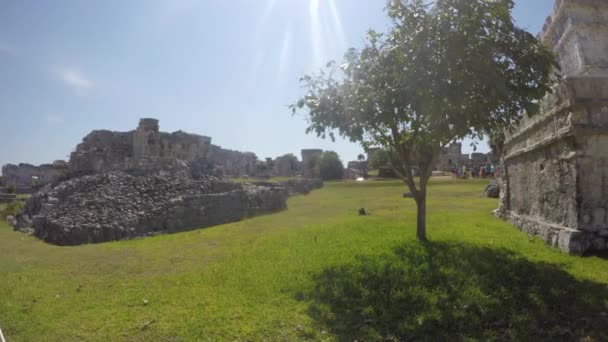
{"type": "Point", "coordinates": [556, 163]}
{"type": "Point", "coordinates": [122, 185]}
{"type": "Point", "coordinates": [308, 156]}
{"type": "Point", "coordinates": [452, 156]}
{"type": "Point", "coordinates": [27, 175]}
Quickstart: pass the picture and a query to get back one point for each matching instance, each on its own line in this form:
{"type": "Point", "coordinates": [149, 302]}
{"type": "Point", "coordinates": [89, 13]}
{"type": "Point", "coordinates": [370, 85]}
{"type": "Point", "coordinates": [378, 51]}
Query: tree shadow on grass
{"type": "Point", "coordinates": [448, 291]}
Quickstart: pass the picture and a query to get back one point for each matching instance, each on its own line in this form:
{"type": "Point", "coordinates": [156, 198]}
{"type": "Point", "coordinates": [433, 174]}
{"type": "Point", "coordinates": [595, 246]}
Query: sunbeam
{"type": "Point", "coordinates": [285, 55]}
{"type": "Point", "coordinates": [337, 22]}
{"type": "Point", "coordinates": [315, 33]}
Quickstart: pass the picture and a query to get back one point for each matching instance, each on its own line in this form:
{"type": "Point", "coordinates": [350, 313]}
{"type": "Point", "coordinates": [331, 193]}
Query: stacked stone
{"type": "Point", "coordinates": [117, 205]}
{"type": "Point", "coordinates": [556, 164]}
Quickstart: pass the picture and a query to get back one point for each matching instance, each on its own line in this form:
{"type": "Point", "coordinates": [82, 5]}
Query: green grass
{"type": "Point", "coordinates": [317, 271]}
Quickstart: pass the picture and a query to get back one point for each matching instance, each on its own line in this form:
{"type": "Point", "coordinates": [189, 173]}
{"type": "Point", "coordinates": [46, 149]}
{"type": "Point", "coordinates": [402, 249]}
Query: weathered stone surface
{"type": "Point", "coordinates": [492, 190]}
{"type": "Point", "coordinates": [147, 148]}
{"type": "Point", "coordinates": [556, 164]}
{"type": "Point", "coordinates": [118, 205]}
{"type": "Point", "coordinates": [27, 175]}
{"type": "Point", "coordinates": [296, 186]}
{"type": "Point", "coordinates": [308, 155]}
{"type": "Point", "coordinates": [7, 198]}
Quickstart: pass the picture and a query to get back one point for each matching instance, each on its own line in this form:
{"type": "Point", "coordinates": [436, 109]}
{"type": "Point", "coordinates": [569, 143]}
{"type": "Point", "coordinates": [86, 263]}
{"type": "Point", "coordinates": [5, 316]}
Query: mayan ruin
{"type": "Point", "coordinates": [310, 170]}
{"type": "Point", "coordinates": [120, 185]}
{"type": "Point", "coordinates": [556, 164]}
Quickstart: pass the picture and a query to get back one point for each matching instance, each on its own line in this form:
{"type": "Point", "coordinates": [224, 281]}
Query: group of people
{"type": "Point", "coordinates": [483, 171]}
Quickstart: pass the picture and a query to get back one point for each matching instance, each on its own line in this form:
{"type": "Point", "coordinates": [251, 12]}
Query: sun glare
{"type": "Point", "coordinates": [325, 30]}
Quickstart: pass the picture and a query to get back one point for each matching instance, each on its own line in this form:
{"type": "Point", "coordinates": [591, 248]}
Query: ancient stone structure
{"type": "Point", "coordinates": [286, 166]}
{"type": "Point", "coordinates": [556, 163]}
{"type": "Point", "coordinates": [118, 205]}
{"type": "Point", "coordinates": [146, 147]}
{"type": "Point", "coordinates": [232, 163]}
{"type": "Point", "coordinates": [371, 152]}
{"type": "Point", "coordinates": [308, 155]}
{"type": "Point", "coordinates": [451, 156]}
{"type": "Point", "coordinates": [120, 185]}
{"type": "Point", "coordinates": [295, 186]}
{"type": "Point", "coordinates": [27, 175]}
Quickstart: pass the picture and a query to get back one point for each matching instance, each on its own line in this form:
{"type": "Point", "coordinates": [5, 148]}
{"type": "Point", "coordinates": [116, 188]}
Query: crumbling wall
{"type": "Point", "coordinates": [102, 151]}
{"type": "Point", "coordinates": [27, 175]}
{"type": "Point", "coordinates": [286, 166]}
{"type": "Point", "coordinates": [556, 163]}
{"type": "Point", "coordinates": [308, 156]}
{"type": "Point", "coordinates": [450, 156]}
{"type": "Point", "coordinates": [145, 148]}
{"type": "Point", "coordinates": [118, 205]}
{"type": "Point", "coordinates": [149, 142]}
{"type": "Point", "coordinates": [233, 163]}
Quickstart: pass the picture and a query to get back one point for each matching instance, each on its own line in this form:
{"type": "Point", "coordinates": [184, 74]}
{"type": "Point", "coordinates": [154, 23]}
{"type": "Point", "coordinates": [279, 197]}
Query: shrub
{"type": "Point", "coordinates": [330, 166]}
{"type": "Point", "coordinates": [12, 209]}
{"type": "Point", "coordinates": [10, 189]}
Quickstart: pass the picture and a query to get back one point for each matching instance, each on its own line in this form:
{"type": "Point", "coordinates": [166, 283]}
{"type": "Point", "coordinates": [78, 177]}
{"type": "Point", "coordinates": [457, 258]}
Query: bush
{"type": "Point", "coordinates": [330, 166]}
{"type": "Point", "coordinates": [12, 209]}
{"type": "Point", "coordinates": [384, 159]}
{"type": "Point", "coordinates": [10, 189]}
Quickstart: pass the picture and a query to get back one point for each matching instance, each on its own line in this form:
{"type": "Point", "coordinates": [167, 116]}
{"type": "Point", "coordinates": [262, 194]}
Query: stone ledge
{"type": "Point", "coordinates": [569, 240]}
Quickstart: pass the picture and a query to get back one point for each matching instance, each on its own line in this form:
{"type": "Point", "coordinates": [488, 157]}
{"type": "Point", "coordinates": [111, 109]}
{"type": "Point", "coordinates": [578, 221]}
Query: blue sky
{"type": "Point", "coordinates": [226, 69]}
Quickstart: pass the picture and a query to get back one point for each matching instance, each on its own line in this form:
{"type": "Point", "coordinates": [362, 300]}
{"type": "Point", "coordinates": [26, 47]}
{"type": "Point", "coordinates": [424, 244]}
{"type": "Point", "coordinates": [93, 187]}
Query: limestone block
{"type": "Point", "coordinates": [598, 244]}
{"type": "Point", "coordinates": [599, 216]}
{"type": "Point", "coordinates": [573, 241]}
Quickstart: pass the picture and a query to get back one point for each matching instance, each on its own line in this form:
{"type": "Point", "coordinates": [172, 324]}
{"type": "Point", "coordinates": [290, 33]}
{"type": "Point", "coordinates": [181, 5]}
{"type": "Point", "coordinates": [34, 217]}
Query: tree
{"type": "Point", "coordinates": [330, 166]}
{"type": "Point", "coordinates": [10, 189]}
{"type": "Point", "coordinates": [384, 158]}
{"type": "Point", "coordinates": [360, 157]}
{"type": "Point", "coordinates": [445, 70]}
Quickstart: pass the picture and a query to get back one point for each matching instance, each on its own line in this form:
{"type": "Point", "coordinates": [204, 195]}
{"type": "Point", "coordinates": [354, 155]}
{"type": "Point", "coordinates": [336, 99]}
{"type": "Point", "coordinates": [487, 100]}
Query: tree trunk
{"type": "Point", "coordinates": [421, 217]}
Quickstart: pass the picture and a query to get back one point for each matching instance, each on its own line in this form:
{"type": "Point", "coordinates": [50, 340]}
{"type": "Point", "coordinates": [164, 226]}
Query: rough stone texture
{"type": "Point", "coordinates": [104, 151]}
{"type": "Point", "coordinates": [452, 156]}
{"type": "Point", "coordinates": [307, 157]}
{"type": "Point", "coordinates": [556, 163]}
{"type": "Point", "coordinates": [286, 166]}
{"type": "Point", "coordinates": [492, 190]}
{"type": "Point", "coordinates": [118, 205]}
{"type": "Point", "coordinates": [148, 148]}
{"type": "Point", "coordinates": [7, 198]}
{"type": "Point", "coordinates": [296, 186]}
{"type": "Point", "coordinates": [27, 175]}
{"type": "Point", "coordinates": [232, 163]}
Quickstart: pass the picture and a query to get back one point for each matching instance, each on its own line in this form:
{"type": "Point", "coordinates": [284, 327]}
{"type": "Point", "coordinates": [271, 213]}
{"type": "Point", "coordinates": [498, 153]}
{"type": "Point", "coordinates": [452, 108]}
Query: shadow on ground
{"type": "Point", "coordinates": [448, 291]}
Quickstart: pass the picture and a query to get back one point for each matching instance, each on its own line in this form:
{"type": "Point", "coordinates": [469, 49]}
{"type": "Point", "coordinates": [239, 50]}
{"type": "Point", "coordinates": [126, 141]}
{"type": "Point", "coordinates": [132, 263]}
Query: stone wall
{"type": "Point", "coordinates": [148, 142]}
{"type": "Point", "coordinates": [308, 155]}
{"type": "Point", "coordinates": [148, 148]}
{"type": "Point", "coordinates": [232, 163]}
{"type": "Point", "coordinates": [286, 166]}
{"type": "Point", "coordinates": [118, 205]}
{"type": "Point", "coordinates": [102, 151]}
{"type": "Point", "coordinates": [27, 175]}
{"type": "Point", "coordinates": [450, 156]}
{"type": "Point", "coordinates": [556, 163]}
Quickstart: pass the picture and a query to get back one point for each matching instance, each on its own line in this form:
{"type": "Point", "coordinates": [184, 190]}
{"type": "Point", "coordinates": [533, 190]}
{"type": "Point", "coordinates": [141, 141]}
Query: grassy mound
{"type": "Point", "coordinates": [317, 271]}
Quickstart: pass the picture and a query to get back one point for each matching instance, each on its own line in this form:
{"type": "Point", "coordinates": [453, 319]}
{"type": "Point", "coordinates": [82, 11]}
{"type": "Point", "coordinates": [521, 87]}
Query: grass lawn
{"type": "Point", "coordinates": [317, 271]}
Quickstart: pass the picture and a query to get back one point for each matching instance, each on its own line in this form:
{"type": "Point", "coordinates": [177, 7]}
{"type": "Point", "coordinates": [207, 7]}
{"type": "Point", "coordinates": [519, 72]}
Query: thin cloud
{"type": "Point", "coordinates": [75, 79]}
